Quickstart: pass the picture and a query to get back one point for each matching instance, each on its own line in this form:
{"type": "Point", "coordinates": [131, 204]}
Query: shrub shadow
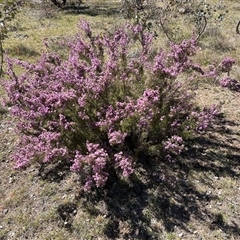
{"type": "Point", "coordinates": [217, 152]}
{"type": "Point", "coordinates": [55, 172]}
{"type": "Point", "coordinates": [152, 203]}
{"type": "Point", "coordinates": [66, 213]}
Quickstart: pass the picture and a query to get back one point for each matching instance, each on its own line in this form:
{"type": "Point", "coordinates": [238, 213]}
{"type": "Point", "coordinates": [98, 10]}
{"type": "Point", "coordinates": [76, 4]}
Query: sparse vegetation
{"type": "Point", "coordinates": [194, 197]}
{"type": "Point", "coordinates": [8, 10]}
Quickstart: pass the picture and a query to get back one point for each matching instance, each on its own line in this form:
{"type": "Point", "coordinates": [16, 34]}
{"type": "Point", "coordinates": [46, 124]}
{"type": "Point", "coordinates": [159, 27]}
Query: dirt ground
{"type": "Point", "coordinates": [199, 198]}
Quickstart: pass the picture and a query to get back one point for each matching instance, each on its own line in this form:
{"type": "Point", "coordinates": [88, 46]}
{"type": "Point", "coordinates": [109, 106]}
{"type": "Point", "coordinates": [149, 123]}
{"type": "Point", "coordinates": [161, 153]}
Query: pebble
{"type": "Point", "coordinates": [182, 10]}
{"type": "Point", "coordinates": [208, 193]}
{"type": "Point", "coordinates": [180, 234]}
{"type": "Point", "coordinates": [5, 211]}
{"type": "Point", "coordinates": [64, 196]}
{"type": "Point", "coordinates": [11, 180]}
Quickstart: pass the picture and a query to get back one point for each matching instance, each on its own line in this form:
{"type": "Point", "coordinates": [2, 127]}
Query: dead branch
{"type": "Point", "coordinates": [203, 29]}
{"type": "Point", "coordinates": [237, 28]}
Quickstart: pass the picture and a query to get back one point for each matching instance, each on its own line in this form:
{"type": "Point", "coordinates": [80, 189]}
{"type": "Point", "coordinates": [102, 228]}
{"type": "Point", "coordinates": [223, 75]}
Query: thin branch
{"type": "Point", "coordinates": [203, 29]}
{"type": "Point", "coordinates": [1, 57]}
{"type": "Point", "coordinates": [237, 28]}
{"type": "Point", "coordinates": [164, 29]}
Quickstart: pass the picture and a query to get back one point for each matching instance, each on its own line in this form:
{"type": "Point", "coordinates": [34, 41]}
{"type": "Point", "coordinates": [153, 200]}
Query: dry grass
{"type": "Point", "coordinates": [203, 202]}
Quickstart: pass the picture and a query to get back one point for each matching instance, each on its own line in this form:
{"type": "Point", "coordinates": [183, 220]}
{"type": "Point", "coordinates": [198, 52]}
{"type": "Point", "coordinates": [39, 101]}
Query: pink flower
{"type": "Point", "coordinates": [227, 64]}
{"type": "Point", "coordinates": [125, 163]}
{"type": "Point", "coordinates": [116, 137]}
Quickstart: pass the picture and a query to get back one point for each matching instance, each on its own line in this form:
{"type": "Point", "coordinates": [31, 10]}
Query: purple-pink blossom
{"type": "Point", "coordinates": [227, 64]}
{"type": "Point", "coordinates": [174, 145]}
{"type": "Point", "coordinates": [125, 163]}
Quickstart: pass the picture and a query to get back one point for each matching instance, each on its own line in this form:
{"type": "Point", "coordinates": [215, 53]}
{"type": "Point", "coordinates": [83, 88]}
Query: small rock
{"type": "Point", "coordinates": [5, 211]}
{"type": "Point", "coordinates": [180, 234]}
{"type": "Point", "coordinates": [182, 10]}
{"type": "Point", "coordinates": [10, 180]}
{"type": "Point", "coordinates": [67, 225]}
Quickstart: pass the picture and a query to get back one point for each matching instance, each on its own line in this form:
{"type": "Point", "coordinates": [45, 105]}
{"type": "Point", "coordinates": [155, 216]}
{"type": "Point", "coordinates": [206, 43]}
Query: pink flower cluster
{"type": "Point", "coordinates": [92, 166]}
{"type": "Point", "coordinates": [227, 64]}
{"type": "Point", "coordinates": [230, 83]}
{"type": "Point", "coordinates": [116, 137]}
{"type": "Point", "coordinates": [174, 145]}
{"type": "Point", "coordinates": [204, 118]}
{"type": "Point", "coordinates": [125, 163]}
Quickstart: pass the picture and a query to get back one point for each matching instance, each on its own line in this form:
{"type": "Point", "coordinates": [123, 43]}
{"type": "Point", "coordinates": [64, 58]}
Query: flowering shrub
{"type": "Point", "coordinates": [230, 83]}
{"type": "Point", "coordinates": [227, 64]}
{"type": "Point", "coordinates": [99, 109]}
